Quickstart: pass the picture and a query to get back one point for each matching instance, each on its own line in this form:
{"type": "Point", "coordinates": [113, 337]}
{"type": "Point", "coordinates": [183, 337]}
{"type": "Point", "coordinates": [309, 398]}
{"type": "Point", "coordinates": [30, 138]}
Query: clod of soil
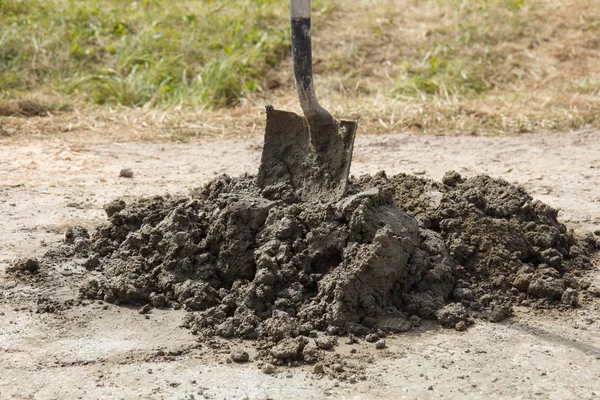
{"type": "Point", "coordinates": [508, 246]}
{"type": "Point", "coordinates": [126, 173]}
{"type": "Point", "coordinates": [30, 265]}
{"type": "Point", "coordinates": [239, 356]}
{"type": "Point", "coordinates": [264, 265]}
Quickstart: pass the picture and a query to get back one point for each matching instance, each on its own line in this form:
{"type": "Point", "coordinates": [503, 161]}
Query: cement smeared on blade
{"type": "Point", "coordinates": [314, 160]}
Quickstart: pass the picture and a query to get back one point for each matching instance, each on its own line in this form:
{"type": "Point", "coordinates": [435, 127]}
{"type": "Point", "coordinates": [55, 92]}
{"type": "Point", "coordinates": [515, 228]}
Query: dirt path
{"type": "Point", "coordinates": [101, 351]}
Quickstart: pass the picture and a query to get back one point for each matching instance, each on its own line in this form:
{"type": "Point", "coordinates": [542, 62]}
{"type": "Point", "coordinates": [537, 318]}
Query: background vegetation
{"type": "Point", "coordinates": [134, 52]}
{"type": "Point", "coordinates": [440, 66]}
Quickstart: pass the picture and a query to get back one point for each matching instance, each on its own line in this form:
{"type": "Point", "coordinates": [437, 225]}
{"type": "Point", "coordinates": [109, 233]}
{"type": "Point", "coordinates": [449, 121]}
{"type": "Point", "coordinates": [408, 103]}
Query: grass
{"type": "Point", "coordinates": [210, 52]}
{"type": "Point", "coordinates": [468, 66]}
{"type": "Point", "coordinates": [199, 69]}
{"type": "Point", "coordinates": [462, 58]}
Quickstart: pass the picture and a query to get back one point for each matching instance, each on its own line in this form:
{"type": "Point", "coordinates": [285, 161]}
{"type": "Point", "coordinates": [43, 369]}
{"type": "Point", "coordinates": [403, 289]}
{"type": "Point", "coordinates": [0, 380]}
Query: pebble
{"type": "Point", "coordinates": [268, 369]}
{"type": "Point", "coordinates": [126, 173]}
{"type": "Point", "coordinates": [325, 343]}
{"type": "Point", "coordinates": [239, 356]}
{"type": "Point", "coordinates": [380, 344]}
{"type": "Point", "coordinates": [372, 338]}
{"type": "Point", "coordinates": [461, 326]}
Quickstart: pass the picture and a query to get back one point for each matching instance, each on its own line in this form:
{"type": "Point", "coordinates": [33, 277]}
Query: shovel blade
{"type": "Point", "coordinates": [315, 160]}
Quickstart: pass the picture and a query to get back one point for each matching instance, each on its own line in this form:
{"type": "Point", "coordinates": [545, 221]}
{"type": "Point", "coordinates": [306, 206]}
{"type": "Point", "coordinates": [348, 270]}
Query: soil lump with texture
{"type": "Point", "coordinates": [261, 264]}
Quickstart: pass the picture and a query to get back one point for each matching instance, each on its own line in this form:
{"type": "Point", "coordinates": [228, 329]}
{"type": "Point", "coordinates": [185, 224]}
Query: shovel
{"type": "Point", "coordinates": [311, 152]}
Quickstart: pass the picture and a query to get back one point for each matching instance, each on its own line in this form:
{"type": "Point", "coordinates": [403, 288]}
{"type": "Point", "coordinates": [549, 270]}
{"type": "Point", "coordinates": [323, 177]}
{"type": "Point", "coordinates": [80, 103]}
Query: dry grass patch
{"type": "Point", "coordinates": [96, 124]}
{"type": "Point", "coordinates": [462, 67]}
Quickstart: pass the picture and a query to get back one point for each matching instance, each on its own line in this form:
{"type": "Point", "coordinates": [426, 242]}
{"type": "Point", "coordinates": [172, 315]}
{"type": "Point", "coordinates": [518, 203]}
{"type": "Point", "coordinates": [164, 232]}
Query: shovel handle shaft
{"type": "Point", "coordinates": [302, 58]}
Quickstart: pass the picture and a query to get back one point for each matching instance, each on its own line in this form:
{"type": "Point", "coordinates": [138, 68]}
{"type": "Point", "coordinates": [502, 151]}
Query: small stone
{"type": "Point", "coordinates": [452, 178]}
{"type": "Point", "coordinates": [239, 356]}
{"type": "Point", "coordinates": [461, 326]}
{"type": "Point", "coordinates": [325, 342]}
{"type": "Point", "coordinates": [268, 369]}
{"type": "Point", "coordinates": [372, 338]}
{"type": "Point", "coordinates": [126, 173]}
{"type": "Point", "coordinates": [380, 344]}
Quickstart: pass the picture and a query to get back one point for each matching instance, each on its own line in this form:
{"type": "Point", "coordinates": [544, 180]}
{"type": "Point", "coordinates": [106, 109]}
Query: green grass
{"type": "Point", "coordinates": [439, 76]}
{"type": "Point", "coordinates": [201, 52]}
{"type": "Point", "coordinates": [460, 59]}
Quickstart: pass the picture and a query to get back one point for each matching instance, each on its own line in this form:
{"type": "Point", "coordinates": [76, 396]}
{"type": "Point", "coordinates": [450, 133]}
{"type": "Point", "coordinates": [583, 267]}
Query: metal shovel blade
{"type": "Point", "coordinates": [315, 159]}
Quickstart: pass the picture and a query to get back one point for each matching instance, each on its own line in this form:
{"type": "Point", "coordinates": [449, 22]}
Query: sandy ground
{"type": "Point", "coordinates": [111, 352]}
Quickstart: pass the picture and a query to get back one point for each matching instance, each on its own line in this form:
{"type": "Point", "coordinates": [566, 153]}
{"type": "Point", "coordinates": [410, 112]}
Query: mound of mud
{"type": "Point", "coordinates": [509, 247]}
{"type": "Point", "coordinates": [264, 265]}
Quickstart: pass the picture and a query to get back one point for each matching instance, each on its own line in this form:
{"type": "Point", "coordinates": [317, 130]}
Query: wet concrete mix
{"type": "Point", "coordinates": [263, 265]}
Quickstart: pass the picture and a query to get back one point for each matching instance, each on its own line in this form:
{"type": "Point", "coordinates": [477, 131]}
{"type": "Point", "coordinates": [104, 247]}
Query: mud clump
{"type": "Point", "coordinates": [453, 315]}
{"type": "Point", "coordinates": [24, 265]}
{"type": "Point", "coordinates": [261, 264]}
{"type": "Point", "coordinates": [508, 247]}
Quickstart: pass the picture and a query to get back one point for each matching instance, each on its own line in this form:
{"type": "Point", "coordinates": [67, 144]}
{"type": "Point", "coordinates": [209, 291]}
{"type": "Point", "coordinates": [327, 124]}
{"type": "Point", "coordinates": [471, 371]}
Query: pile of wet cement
{"type": "Point", "coordinates": [264, 265]}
